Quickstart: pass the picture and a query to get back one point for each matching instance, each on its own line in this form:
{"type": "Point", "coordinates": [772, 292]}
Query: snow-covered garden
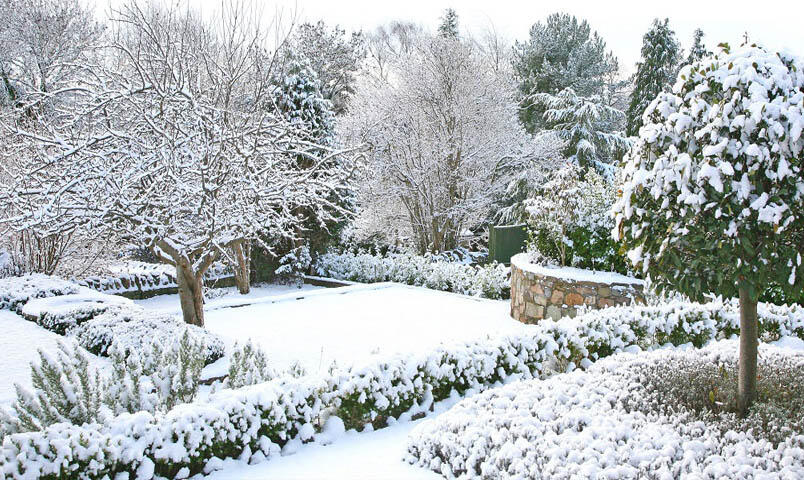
{"type": "Point", "coordinates": [234, 247]}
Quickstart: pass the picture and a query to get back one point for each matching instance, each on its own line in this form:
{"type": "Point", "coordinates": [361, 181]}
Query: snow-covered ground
{"type": "Point", "coordinates": [170, 303]}
{"type": "Point", "coordinates": [349, 324]}
{"type": "Point", "coordinates": [19, 343]}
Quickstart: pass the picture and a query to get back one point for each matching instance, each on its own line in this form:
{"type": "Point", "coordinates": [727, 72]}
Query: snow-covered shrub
{"type": "Point", "coordinates": [707, 388]}
{"type": "Point", "coordinates": [490, 281]}
{"type": "Point", "coordinates": [65, 389]}
{"type": "Point", "coordinates": [248, 365]}
{"type": "Point", "coordinates": [156, 378]}
{"type": "Point", "coordinates": [61, 314]}
{"type": "Point", "coordinates": [136, 276]}
{"type": "Point", "coordinates": [133, 328]}
{"type": "Point", "coordinates": [605, 422]}
{"type": "Point", "coordinates": [294, 263]}
{"type": "Point", "coordinates": [249, 423]}
{"type": "Point", "coordinates": [570, 223]}
{"type": "Point", "coordinates": [16, 291]}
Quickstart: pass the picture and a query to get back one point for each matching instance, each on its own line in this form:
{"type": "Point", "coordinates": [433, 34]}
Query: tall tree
{"type": "Point", "coordinates": [585, 126]}
{"type": "Point", "coordinates": [443, 136]}
{"type": "Point", "coordinates": [175, 143]}
{"type": "Point", "coordinates": [449, 24]}
{"type": "Point", "coordinates": [560, 53]}
{"type": "Point", "coordinates": [698, 50]}
{"type": "Point", "coordinates": [712, 200]}
{"type": "Point", "coordinates": [332, 55]}
{"type": "Point", "coordinates": [655, 73]}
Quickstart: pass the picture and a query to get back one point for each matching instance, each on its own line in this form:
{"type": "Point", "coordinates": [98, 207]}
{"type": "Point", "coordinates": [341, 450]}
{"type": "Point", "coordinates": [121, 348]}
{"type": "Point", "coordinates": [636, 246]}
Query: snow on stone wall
{"type": "Point", "coordinates": [539, 292]}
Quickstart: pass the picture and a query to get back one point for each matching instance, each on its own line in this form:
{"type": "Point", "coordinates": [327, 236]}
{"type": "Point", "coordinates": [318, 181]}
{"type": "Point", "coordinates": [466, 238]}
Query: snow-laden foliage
{"type": "Point", "coordinates": [603, 423]}
{"type": "Point", "coordinates": [570, 220]}
{"type": "Point", "coordinates": [16, 291]}
{"type": "Point", "coordinates": [66, 388]}
{"type": "Point", "coordinates": [586, 124]}
{"type": "Point", "coordinates": [489, 281]}
{"type": "Point", "coordinates": [298, 98]}
{"type": "Point", "coordinates": [443, 140]}
{"type": "Point", "coordinates": [561, 52]}
{"type": "Point", "coordinates": [713, 191]}
{"type": "Point", "coordinates": [134, 329]}
{"type": "Point", "coordinates": [253, 422]}
{"type": "Point", "coordinates": [294, 263]}
{"type": "Point", "coordinates": [134, 276]}
{"type": "Point", "coordinates": [172, 142]}
{"type": "Point", "coordinates": [248, 365]}
{"type": "Point", "coordinates": [656, 71]}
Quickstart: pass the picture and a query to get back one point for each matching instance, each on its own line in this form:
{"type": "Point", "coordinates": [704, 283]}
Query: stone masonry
{"type": "Point", "coordinates": [535, 296]}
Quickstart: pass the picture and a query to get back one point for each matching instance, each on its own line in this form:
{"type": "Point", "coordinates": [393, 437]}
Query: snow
{"type": "Point", "coordinates": [66, 303]}
{"type": "Point", "coordinates": [223, 297]}
{"type": "Point", "coordinates": [522, 261]}
{"type": "Point", "coordinates": [19, 343]}
{"type": "Point", "coordinates": [366, 455]}
{"type": "Point", "coordinates": [351, 324]}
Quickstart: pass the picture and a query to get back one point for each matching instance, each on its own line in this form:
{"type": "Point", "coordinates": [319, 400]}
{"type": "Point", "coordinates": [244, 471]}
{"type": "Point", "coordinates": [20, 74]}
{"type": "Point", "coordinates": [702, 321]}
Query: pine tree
{"type": "Point", "coordinates": [299, 98]}
{"type": "Point", "coordinates": [449, 24]}
{"type": "Point", "coordinates": [563, 52]}
{"type": "Point", "coordinates": [655, 73]}
{"type": "Point", "coordinates": [698, 49]}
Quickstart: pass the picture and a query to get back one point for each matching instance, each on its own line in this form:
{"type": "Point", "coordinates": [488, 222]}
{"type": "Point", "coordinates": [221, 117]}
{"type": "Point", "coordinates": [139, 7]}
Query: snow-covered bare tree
{"type": "Point", "coordinates": [387, 43]}
{"type": "Point", "coordinates": [444, 138]}
{"type": "Point", "coordinates": [174, 141]}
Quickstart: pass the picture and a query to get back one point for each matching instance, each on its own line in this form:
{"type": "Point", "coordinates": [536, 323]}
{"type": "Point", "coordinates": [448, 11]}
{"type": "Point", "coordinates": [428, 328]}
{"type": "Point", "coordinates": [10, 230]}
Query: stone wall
{"type": "Point", "coordinates": [538, 293]}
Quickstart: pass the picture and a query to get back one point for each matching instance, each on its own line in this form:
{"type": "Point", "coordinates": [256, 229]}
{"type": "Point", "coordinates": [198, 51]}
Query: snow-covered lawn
{"type": "Point", "coordinates": [19, 342]}
{"type": "Point", "coordinates": [349, 324]}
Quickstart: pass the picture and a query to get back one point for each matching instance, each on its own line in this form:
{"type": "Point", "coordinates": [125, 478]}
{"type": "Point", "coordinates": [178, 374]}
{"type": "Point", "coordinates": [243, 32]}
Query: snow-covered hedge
{"type": "Point", "coordinates": [133, 276]}
{"type": "Point", "coordinates": [16, 291]}
{"type": "Point", "coordinates": [601, 423]}
{"type": "Point", "coordinates": [233, 423]}
{"type": "Point", "coordinates": [134, 328]}
{"type": "Point", "coordinates": [95, 318]}
{"type": "Point", "coordinates": [489, 281]}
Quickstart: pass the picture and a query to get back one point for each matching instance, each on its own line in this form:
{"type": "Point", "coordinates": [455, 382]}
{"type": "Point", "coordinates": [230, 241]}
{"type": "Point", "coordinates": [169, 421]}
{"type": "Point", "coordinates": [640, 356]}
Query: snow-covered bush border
{"type": "Point", "coordinates": [252, 423]}
{"type": "Point", "coordinates": [489, 281]}
{"type": "Point", "coordinates": [144, 277]}
{"type": "Point", "coordinates": [606, 422]}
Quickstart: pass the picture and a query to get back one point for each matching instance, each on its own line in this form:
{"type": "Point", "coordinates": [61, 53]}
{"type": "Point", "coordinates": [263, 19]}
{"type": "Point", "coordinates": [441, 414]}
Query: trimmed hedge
{"type": "Point", "coordinates": [252, 423]}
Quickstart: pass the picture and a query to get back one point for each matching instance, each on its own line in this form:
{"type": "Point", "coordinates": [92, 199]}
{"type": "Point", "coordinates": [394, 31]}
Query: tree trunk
{"type": "Point", "coordinates": [191, 294]}
{"type": "Point", "coordinates": [242, 254]}
{"type": "Point", "coordinates": [747, 381]}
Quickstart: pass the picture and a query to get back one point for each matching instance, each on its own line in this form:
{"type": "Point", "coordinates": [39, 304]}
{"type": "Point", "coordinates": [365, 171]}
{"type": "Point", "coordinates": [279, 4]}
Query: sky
{"type": "Point", "coordinates": [773, 23]}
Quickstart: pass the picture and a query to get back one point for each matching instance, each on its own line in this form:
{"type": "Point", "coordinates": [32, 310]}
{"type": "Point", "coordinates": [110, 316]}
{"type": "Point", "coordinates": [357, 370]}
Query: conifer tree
{"type": "Point", "coordinates": [698, 49]}
{"type": "Point", "coordinates": [655, 73]}
{"type": "Point", "coordinates": [449, 24]}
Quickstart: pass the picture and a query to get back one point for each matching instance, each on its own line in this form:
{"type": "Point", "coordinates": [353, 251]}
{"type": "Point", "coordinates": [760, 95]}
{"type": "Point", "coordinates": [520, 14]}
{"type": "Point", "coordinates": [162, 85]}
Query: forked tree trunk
{"type": "Point", "coordinates": [191, 294]}
{"type": "Point", "coordinates": [242, 254]}
{"type": "Point", "coordinates": [747, 376]}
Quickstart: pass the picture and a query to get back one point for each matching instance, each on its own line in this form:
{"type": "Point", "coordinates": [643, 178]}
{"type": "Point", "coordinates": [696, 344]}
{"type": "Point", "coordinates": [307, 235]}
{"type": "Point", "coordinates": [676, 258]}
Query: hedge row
{"type": "Point", "coordinates": [138, 279]}
{"type": "Point", "coordinates": [253, 423]}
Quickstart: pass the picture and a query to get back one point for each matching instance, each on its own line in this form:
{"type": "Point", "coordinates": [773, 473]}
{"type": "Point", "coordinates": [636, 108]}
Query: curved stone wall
{"type": "Point", "coordinates": [539, 292]}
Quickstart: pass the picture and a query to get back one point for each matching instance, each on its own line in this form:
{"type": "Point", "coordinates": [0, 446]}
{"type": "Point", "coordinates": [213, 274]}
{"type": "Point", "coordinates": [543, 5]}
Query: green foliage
{"type": "Point", "coordinates": [590, 249]}
{"type": "Point", "coordinates": [449, 24]}
{"type": "Point", "coordinates": [655, 72]}
{"type": "Point", "coordinates": [560, 53]}
{"type": "Point", "coordinates": [248, 366]}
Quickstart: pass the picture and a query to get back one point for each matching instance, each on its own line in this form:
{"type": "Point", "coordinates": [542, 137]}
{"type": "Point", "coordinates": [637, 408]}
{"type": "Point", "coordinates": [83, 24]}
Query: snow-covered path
{"type": "Point", "coordinates": [354, 456]}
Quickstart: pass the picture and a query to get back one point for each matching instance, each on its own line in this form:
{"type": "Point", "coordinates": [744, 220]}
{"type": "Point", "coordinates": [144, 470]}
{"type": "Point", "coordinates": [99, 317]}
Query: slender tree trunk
{"type": "Point", "coordinates": [747, 381]}
{"type": "Point", "coordinates": [242, 254]}
{"type": "Point", "coordinates": [191, 294]}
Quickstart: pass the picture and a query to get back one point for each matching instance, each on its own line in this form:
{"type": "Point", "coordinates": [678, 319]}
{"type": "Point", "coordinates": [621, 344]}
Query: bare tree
{"type": "Point", "coordinates": [444, 137]}
{"type": "Point", "coordinates": [174, 141]}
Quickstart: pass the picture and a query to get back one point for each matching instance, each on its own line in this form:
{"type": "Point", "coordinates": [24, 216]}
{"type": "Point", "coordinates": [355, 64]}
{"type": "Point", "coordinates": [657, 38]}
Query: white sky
{"type": "Point", "coordinates": [774, 23]}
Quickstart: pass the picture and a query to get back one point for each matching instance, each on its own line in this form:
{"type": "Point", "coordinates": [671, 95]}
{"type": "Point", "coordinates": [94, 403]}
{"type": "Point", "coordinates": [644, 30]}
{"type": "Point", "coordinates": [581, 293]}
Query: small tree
{"type": "Point", "coordinates": [698, 50]}
{"type": "Point", "coordinates": [449, 24]}
{"type": "Point", "coordinates": [713, 195]}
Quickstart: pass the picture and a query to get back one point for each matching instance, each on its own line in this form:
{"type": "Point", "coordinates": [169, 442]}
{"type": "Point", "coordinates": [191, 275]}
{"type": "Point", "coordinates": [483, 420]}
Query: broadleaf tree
{"type": "Point", "coordinates": [713, 196]}
{"type": "Point", "coordinates": [175, 143]}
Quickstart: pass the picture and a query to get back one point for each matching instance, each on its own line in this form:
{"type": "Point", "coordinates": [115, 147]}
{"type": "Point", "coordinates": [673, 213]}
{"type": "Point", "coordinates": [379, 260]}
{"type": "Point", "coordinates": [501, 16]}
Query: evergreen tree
{"type": "Point", "coordinates": [698, 49]}
{"type": "Point", "coordinates": [449, 24]}
{"type": "Point", "coordinates": [299, 98]}
{"type": "Point", "coordinates": [655, 73]}
{"type": "Point", "coordinates": [562, 52]}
